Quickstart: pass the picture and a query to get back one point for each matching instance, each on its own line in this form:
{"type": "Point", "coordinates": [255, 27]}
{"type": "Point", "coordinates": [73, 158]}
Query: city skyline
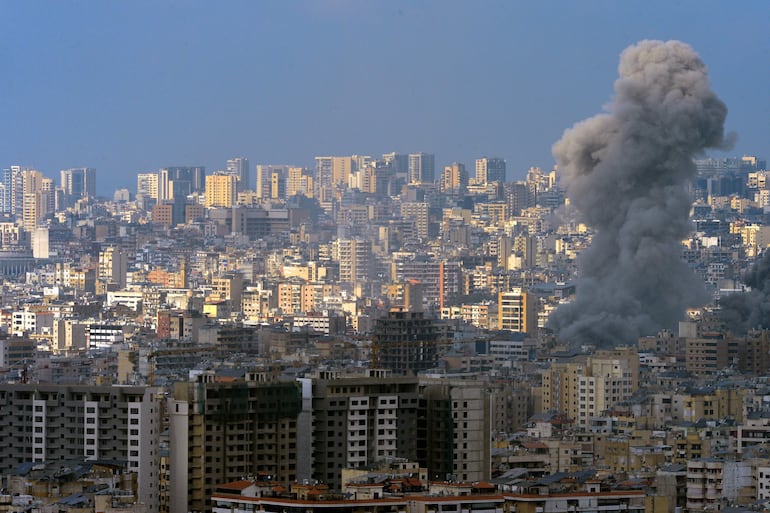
{"type": "Point", "coordinates": [129, 89]}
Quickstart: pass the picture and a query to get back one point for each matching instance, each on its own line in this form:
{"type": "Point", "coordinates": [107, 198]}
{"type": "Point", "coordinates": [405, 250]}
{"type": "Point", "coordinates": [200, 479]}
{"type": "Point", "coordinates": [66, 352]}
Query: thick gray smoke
{"type": "Point", "coordinates": [749, 310]}
{"type": "Point", "coordinates": [627, 172]}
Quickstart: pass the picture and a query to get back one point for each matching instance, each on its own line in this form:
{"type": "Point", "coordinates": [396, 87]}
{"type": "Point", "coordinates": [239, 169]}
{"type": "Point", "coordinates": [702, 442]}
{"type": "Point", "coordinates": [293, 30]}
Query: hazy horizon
{"type": "Point", "coordinates": [132, 87]}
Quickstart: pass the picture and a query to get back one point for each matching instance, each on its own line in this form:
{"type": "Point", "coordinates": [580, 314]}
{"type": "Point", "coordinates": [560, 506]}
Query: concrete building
{"type": "Point", "coordinates": [104, 336]}
{"type": "Point", "coordinates": [229, 287]}
{"type": "Point", "coordinates": [443, 425]}
{"type": "Point", "coordinates": [416, 212]}
{"type": "Point", "coordinates": [113, 267]}
{"type": "Point", "coordinates": [277, 187]}
{"type": "Point", "coordinates": [299, 182]}
{"type": "Point", "coordinates": [422, 168]}
{"type": "Point", "coordinates": [17, 351]}
{"type": "Point", "coordinates": [326, 323]}
{"type": "Point", "coordinates": [454, 178]}
{"type": "Point", "coordinates": [355, 259]}
{"type": "Point", "coordinates": [23, 323]}
{"type": "Point", "coordinates": [265, 172]}
{"type": "Point", "coordinates": [79, 182]}
{"type": "Point", "coordinates": [69, 334]}
{"type": "Point", "coordinates": [256, 223]}
{"type": "Point", "coordinates": [406, 342]}
{"type": "Point", "coordinates": [440, 278]}
{"type": "Point", "coordinates": [12, 190]}
{"type": "Point", "coordinates": [194, 175]}
{"type": "Point", "coordinates": [712, 481]}
{"type": "Point", "coordinates": [591, 498]}
{"type": "Point", "coordinates": [374, 495]}
{"type": "Point", "coordinates": [584, 387]}
{"type": "Point", "coordinates": [506, 352]}
{"type": "Point", "coordinates": [239, 167]}
{"type": "Point", "coordinates": [334, 171]}
{"type": "Point", "coordinates": [147, 185]}
{"type": "Point", "coordinates": [222, 431]}
{"type": "Point", "coordinates": [517, 311]}
{"type": "Point", "coordinates": [45, 423]}
{"type": "Point", "coordinates": [163, 214]}
{"type": "Point", "coordinates": [221, 190]}
{"type": "Point", "coordinates": [711, 352]}
{"type": "Point", "coordinates": [490, 170]}
{"type": "Point", "coordinates": [612, 377]}
{"type": "Point", "coordinates": [36, 198]}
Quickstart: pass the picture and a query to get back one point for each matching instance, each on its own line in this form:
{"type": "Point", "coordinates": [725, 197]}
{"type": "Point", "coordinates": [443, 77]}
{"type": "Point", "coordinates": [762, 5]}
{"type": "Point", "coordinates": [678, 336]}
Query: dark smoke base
{"type": "Point", "coordinates": [749, 310]}
{"type": "Point", "coordinates": [627, 172]}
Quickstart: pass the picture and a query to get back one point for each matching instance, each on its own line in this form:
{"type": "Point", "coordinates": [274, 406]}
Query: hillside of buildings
{"type": "Point", "coordinates": [367, 334]}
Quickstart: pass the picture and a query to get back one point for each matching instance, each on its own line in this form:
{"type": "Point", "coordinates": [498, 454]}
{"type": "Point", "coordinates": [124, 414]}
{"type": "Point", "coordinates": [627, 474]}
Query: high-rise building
{"type": "Point", "coordinates": [490, 170]}
{"type": "Point", "coordinates": [584, 387]}
{"type": "Point", "coordinates": [113, 266]}
{"type": "Point", "coordinates": [195, 175]}
{"type": "Point", "coordinates": [265, 172]}
{"type": "Point", "coordinates": [11, 176]}
{"type": "Point", "coordinates": [454, 178]}
{"type": "Point", "coordinates": [406, 342]}
{"type": "Point", "coordinates": [37, 198]}
{"type": "Point", "coordinates": [277, 186]}
{"type": "Point", "coordinates": [422, 168]}
{"type": "Point", "coordinates": [355, 259]}
{"type": "Point", "coordinates": [440, 279]}
{"type": "Point", "coordinates": [16, 182]}
{"type": "Point", "coordinates": [222, 431]}
{"type": "Point", "coordinates": [178, 192]}
{"type": "Point", "coordinates": [299, 182]}
{"type": "Point", "coordinates": [147, 185]}
{"type": "Point", "coordinates": [323, 171]}
{"type": "Point", "coordinates": [416, 212]}
{"type": "Point", "coordinates": [517, 197]}
{"type": "Point", "coordinates": [333, 171]}
{"type": "Point", "coordinates": [220, 191]}
{"type": "Point", "coordinates": [164, 187]}
{"type": "Point", "coordinates": [36, 206]}
{"type": "Point", "coordinates": [46, 423]}
{"type": "Point", "coordinates": [397, 162]}
{"type": "Point", "coordinates": [239, 167]}
{"type": "Point", "coordinates": [228, 287]}
{"type": "Point", "coordinates": [79, 182]}
{"type": "Point", "coordinates": [444, 425]}
{"type": "Point", "coordinates": [517, 311]}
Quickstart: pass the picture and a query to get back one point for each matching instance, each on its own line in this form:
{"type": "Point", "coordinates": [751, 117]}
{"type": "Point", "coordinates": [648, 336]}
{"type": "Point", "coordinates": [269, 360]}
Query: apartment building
{"type": "Point", "coordinates": [712, 481]}
{"type": "Point", "coordinates": [517, 311]}
{"type": "Point", "coordinates": [407, 342]}
{"type": "Point", "coordinates": [361, 420]}
{"type": "Point", "coordinates": [440, 279]}
{"type": "Point", "coordinates": [228, 287]}
{"type": "Point", "coordinates": [710, 353]}
{"type": "Point", "coordinates": [584, 387]}
{"type": "Point", "coordinates": [222, 430]}
{"type": "Point", "coordinates": [44, 423]}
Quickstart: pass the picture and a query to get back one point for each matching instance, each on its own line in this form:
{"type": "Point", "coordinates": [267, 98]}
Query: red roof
{"type": "Point", "coordinates": [236, 485]}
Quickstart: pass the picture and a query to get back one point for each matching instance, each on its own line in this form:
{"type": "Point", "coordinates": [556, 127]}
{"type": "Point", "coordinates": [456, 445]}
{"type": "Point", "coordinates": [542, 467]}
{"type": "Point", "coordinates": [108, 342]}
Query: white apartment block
{"type": "Point", "coordinates": [23, 322]}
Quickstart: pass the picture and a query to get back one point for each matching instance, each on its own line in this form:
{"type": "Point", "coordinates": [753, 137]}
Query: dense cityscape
{"type": "Point", "coordinates": [291, 257]}
{"type": "Point", "coordinates": [287, 326]}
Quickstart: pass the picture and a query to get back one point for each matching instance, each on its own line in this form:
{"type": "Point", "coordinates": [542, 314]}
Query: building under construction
{"type": "Point", "coordinates": [406, 342]}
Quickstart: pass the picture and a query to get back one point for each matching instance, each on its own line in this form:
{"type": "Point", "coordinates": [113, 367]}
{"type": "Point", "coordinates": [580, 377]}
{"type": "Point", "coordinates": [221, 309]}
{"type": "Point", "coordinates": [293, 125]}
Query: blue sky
{"type": "Point", "coordinates": [130, 87]}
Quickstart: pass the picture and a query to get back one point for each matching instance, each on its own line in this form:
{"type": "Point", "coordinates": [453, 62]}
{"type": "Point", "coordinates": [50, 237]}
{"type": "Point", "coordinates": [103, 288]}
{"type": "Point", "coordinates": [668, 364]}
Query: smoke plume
{"type": "Point", "coordinates": [749, 310]}
{"type": "Point", "coordinates": [627, 171]}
